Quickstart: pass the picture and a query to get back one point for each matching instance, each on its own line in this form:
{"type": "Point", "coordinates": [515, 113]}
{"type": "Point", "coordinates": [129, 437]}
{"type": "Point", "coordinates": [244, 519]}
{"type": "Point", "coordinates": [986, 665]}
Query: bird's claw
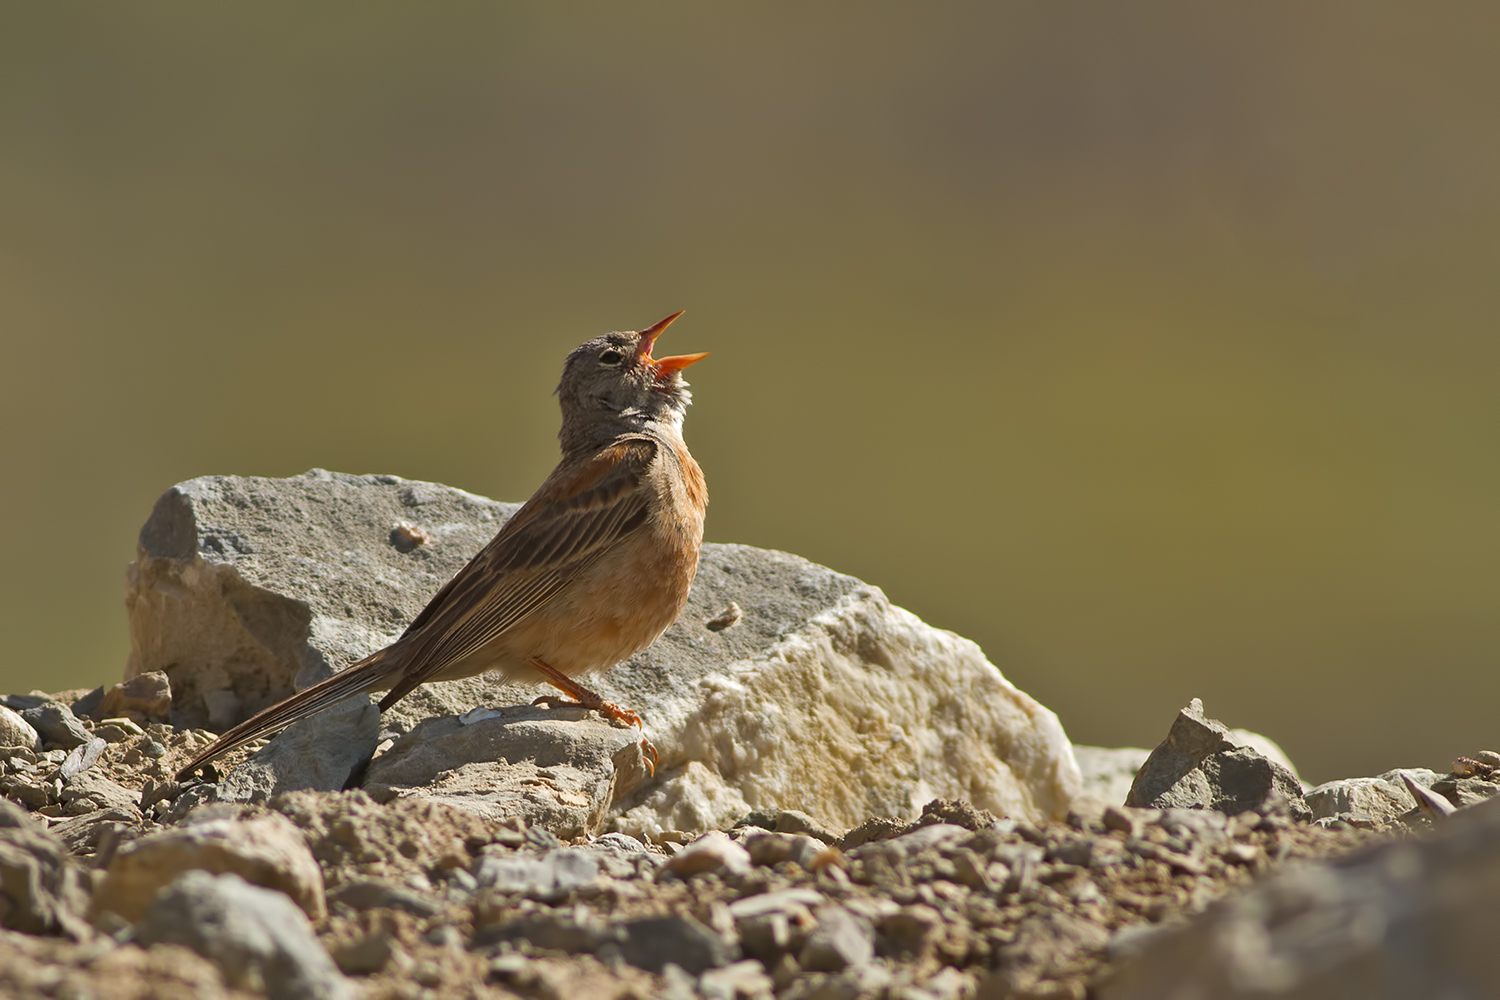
{"type": "Point", "coordinates": [610, 710]}
{"type": "Point", "coordinates": [649, 755]}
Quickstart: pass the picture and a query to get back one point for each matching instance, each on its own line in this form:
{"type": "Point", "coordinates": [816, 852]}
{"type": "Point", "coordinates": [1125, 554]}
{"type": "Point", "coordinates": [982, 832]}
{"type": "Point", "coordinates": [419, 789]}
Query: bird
{"type": "Point", "coordinates": [591, 570]}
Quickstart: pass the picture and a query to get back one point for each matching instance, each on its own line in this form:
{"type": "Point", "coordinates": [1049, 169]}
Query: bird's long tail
{"type": "Point", "coordinates": [367, 675]}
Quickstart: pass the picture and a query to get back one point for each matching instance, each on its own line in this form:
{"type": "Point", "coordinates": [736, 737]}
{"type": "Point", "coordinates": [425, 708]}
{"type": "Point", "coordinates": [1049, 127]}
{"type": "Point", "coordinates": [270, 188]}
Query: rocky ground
{"type": "Point", "coordinates": [420, 898]}
{"type": "Point", "coordinates": [849, 804]}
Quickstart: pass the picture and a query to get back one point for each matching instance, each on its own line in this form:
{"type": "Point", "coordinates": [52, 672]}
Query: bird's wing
{"type": "Point", "coordinates": [573, 519]}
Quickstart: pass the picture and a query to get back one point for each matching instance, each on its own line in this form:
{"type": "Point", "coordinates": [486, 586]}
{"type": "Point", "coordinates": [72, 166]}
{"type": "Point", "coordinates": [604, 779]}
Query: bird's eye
{"type": "Point", "coordinates": [611, 357]}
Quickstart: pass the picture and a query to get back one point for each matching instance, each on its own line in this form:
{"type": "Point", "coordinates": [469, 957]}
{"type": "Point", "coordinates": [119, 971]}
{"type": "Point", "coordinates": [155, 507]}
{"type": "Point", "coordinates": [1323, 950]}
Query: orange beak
{"type": "Point", "coordinates": [664, 366]}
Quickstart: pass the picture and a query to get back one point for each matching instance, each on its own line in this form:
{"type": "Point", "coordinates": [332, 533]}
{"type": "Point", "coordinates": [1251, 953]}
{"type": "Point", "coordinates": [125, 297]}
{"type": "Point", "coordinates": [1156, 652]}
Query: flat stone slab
{"type": "Point", "coordinates": [561, 769]}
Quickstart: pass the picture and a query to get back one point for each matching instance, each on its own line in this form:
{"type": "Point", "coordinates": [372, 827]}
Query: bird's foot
{"type": "Point", "coordinates": [584, 698]}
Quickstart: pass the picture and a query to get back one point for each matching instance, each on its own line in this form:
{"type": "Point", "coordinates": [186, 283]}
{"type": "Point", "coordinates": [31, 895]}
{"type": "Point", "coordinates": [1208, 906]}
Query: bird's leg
{"type": "Point", "coordinates": [588, 699]}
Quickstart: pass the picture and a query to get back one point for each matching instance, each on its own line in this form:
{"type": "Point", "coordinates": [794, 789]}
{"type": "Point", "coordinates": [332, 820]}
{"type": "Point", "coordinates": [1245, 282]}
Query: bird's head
{"type": "Point", "coordinates": [614, 377]}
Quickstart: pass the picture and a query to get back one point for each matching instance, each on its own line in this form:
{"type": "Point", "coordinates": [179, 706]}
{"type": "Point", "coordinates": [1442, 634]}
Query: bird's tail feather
{"type": "Point", "coordinates": [366, 675]}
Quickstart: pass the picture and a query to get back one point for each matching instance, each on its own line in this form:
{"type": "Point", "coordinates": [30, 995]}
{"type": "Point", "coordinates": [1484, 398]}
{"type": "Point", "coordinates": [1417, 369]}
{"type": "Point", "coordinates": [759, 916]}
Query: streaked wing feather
{"type": "Point", "coordinates": [559, 532]}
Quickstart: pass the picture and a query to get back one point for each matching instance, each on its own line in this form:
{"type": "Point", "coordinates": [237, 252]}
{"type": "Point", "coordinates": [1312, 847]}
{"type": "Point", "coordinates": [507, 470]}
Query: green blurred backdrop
{"type": "Point", "coordinates": [1152, 346]}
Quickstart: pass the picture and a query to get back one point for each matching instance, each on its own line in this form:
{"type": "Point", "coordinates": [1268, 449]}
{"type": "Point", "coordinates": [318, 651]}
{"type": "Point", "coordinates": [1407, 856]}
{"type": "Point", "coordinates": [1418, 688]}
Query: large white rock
{"type": "Point", "coordinates": [821, 696]}
{"type": "Point", "coordinates": [865, 710]}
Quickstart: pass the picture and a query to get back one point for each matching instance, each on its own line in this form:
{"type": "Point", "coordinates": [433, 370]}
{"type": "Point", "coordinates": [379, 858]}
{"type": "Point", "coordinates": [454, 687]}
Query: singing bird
{"type": "Point", "coordinates": [591, 570]}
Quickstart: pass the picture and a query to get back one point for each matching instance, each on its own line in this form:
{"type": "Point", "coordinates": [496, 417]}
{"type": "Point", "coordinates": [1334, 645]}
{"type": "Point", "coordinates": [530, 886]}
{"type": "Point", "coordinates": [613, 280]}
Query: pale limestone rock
{"type": "Point", "coordinates": [691, 797]}
{"type": "Point", "coordinates": [712, 852]}
{"type": "Point", "coordinates": [266, 851]}
{"type": "Point", "coordinates": [1383, 799]}
{"type": "Point", "coordinates": [16, 731]}
{"type": "Point", "coordinates": [819, 696]}
{"type": "Point", "coordinates": [869, 710]}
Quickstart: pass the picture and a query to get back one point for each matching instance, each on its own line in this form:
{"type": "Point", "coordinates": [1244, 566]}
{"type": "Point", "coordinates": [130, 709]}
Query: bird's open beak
{"type": "Point", "coordinates": [664, 366]}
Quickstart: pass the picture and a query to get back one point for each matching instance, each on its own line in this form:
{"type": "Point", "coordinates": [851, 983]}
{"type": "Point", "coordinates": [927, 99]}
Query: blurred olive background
{"type": "Point", "coordinates": [1152, 346]}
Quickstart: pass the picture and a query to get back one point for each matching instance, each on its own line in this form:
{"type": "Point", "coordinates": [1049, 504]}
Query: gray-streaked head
{"type": "Point", "coordinates": [613, 379]}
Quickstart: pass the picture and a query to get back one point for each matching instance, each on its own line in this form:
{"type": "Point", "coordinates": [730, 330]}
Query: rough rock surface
{"type": "Point", "coordinates": [321, 753]}
{"type": "Point", "coordinates": [243, 586]}
{"type": "Point", "coordinates": [1410, 919]}
{"type": "Point", "coordinates": [1201, 765]}
{"type": "Point", "coordinates": [1266, 747]}
{"type": "Point", "coordinates": [257, 938]}
{"type": "Point", "coordinates": [1377, 801]}
{"type": "Point", "coordinates": [427, 898]}
{"type": "Point", "coordinates": [41, 891]}
{"type": "Point", "coordinates": [407, 840]}
{"type": "Point", "coordinates": [101, 968]}
{"type": "Point", "coordinates": [517, 761]}
{"type": "Point", "coordinates": [16, 731]}
{"type": "Point", "coordinates": [820, 696]}
{"type": "Point", "coordinates": [57, 725]}
{"type": "Point", "coordinates": [266, 850]}
{"type": "Point", "coordinates": [145, 697]}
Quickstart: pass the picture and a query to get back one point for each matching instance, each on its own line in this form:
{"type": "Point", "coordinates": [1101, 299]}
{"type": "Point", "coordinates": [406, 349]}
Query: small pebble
{"type": "Point", "coordinates": [726, 618]}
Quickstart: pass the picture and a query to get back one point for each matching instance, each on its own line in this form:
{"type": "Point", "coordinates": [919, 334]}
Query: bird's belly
{"type": "Point", "coordinates": [611, 611]}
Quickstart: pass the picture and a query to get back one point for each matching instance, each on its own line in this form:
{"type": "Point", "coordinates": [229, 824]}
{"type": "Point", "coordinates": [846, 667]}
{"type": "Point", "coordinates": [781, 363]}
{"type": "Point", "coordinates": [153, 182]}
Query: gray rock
{"type": "Point", "coordinates": [41, 888]}
{"type": "Point", "coordinates": [549, 877]}
{"type": "Point", "coordinates": [1200, 765]}
{"type": "Point", "coordinates": [1464, 792]}
{"type": "Point", "coordinates": [321, 753]}
{"type": "Point", "coordinates": [57, 725]}
{"type": "Point", "coordinates": [839, 941]}
{"type": "Point", "coordinates": [88, 833]}
{"type": "Point", "coordinates": [560, 769]}
{"type": "Point", "coordinates": [241, 586]}
{"type": "Point", "coordinates": [1384, 799]}
{"type": "Point", "coordinates": [652, 942]}
{"type": "Point", "coordinates": [259, 939]}
{"type": "Point", "coordinates": [266, 850]}
{"type": "Point", "coordinates": [88, 792]}
{"type": "Point", "coordinates": [82, 757]}
{"type": "Point", "coordinates": [16, 731]}
{"type": "Point", "coordinates": [773, 923]}
{"type": "Point", "coordinates": [145, 698]}
{"type": "Point", "coordinates": [1407, 919]}
{"type": "Point", "coordinates": [374, 893]}
{"type": "Point", "coordinates": [553, 931]}
{"type": "Point", "coordinates": [1266, 747]}
{"type": "Point", "coordinates": [24, 702]}
{"type": "Point", "coordinates": [1041, 947]}
{"type": "Point", "coordinates": [712, 852]}
{"type": "Point", "coordinates": [28, 791]}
